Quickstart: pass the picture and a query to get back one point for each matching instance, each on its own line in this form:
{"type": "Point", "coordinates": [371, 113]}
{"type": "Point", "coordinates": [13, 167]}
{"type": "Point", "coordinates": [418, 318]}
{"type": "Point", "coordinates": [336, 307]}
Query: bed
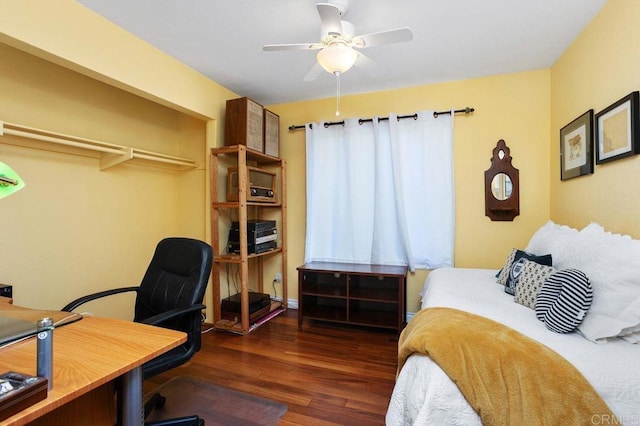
{"type": "Point", "coordinates": [425, 394]}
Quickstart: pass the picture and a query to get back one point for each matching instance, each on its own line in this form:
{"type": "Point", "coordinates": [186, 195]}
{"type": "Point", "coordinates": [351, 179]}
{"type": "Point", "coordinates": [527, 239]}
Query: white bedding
{"type": "Point", "coordinates": [424, 395]}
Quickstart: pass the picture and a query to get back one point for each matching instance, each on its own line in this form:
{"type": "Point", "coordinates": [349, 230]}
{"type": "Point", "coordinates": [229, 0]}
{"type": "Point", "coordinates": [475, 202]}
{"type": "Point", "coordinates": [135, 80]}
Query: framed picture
{"type": "Point", "coordinates": [617, 131]}
{"type": "Point", "coordinates": [576, 147]}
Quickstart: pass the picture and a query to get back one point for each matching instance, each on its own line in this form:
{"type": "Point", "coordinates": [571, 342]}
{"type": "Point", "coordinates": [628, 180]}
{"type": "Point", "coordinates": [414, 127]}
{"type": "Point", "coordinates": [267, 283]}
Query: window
{"type": "Point", "coordinates": [381, 192]}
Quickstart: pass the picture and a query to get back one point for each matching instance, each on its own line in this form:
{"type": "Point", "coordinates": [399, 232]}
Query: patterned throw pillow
{"type": "Point", "coordinates": [515, 268]}
{"type": "Point", "coordinates": [503, 274]}
{"type": "Point", "coordinates": [564, 300]}
{"type": "Point", "coordinates": [530, 282]}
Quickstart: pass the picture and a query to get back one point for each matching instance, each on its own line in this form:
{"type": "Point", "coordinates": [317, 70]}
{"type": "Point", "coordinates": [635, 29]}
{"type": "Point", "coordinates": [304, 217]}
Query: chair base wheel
{"type": "Point", "coordinates": [156, 401]}
{"type": "Point", "coordinates": [161, 401]}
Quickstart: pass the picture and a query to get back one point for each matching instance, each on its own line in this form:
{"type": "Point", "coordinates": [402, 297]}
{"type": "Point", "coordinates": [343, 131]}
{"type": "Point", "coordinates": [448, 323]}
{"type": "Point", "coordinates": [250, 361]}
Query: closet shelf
{"type": "Point", "coordinates": [110, 154]}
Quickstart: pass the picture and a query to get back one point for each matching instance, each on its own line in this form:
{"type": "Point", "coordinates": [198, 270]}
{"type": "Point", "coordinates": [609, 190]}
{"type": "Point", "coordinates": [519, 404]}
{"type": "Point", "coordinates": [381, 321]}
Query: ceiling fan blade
{"type": "Point", "coordinates": [330, 17]}
{"type": "Point", "coordinates": [314, 73]}
{"type": "Point", "coordinates": [398, 35]}
{"type": "Point", "coordinates": [369, 66]}
{"type": "Point", "coordinates": [296, 46]}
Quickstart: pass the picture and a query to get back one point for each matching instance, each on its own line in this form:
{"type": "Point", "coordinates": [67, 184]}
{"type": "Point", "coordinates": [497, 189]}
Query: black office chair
{"type": "Point", "coordinates": [170, 296]}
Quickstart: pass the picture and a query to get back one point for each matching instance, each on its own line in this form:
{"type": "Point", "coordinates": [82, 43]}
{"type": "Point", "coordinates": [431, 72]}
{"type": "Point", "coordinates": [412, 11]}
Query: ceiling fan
{"type": "Point", "coordinates": [338, 44]}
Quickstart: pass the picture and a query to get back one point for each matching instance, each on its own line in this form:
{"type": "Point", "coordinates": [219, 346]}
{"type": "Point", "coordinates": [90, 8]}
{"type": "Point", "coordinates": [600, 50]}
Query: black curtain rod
{"type": "Point", "coordinates": [466, 110]}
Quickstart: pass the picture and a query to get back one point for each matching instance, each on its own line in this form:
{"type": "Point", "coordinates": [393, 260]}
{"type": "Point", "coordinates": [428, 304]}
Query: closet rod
{"type": "Point", "coordinates": [162, 158]}
{"type": "Point", "coordinates": [467, 110]}
{"type": "Point", "coordinates": [32, 133]}
{"type": "Point", "coordinates": [111, 154]}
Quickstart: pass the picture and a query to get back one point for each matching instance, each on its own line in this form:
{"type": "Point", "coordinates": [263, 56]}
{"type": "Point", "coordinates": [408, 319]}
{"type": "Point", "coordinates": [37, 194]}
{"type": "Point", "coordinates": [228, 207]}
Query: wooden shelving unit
{"type": "Point", "coordinates": [242, 158]}
{"type": "Point", "coordinates": [366, 295]}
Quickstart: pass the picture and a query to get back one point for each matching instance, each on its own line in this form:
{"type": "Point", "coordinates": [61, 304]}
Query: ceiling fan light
{"type": "Point", "coordinates": [337, 58]}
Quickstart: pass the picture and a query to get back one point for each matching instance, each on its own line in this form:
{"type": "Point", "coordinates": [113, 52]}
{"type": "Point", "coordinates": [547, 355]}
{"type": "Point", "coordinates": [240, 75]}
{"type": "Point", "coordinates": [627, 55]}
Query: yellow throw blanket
{"type": "Point", "coordinates": [508, 378]}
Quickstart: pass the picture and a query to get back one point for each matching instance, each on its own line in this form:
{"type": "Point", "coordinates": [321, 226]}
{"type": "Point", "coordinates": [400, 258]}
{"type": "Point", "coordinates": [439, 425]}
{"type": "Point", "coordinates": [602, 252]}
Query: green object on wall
{"type": "Point", "coordinates": [10, 182]}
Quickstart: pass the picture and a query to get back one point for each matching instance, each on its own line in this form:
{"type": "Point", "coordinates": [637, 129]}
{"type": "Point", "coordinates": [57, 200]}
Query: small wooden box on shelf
{"type": "Point", "coordinates": [366, 295]}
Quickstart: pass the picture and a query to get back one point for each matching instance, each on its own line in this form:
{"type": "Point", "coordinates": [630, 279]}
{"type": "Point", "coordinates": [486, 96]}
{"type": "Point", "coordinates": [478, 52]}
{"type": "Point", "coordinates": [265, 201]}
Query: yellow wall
{"type": "Point", "coordinates": [108, 54]}
{"type": "Point", "coordinates": [100, 227]}
{"type": "Point", "coordinates": [512, 107]}
{"type": "Point", "coordinates": [75, 229]}
{"type": "Point", "coordinates": [75, 37]}
{"type": "Point", "coordinates": [600, 67]}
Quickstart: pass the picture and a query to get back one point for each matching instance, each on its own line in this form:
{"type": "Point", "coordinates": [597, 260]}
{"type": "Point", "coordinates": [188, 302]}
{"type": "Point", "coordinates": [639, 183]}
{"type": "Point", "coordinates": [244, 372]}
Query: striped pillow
{"type": "Point", "coordinates": [564, 299]}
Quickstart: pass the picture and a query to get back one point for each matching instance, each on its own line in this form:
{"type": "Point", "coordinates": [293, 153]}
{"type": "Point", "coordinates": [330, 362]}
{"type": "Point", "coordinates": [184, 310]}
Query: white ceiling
{"type": "Point", "coordinates": [453, 39]}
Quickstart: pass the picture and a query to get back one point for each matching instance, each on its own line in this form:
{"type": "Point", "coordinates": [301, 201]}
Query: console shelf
{"type": "Point", "coordinates": [365, 295]}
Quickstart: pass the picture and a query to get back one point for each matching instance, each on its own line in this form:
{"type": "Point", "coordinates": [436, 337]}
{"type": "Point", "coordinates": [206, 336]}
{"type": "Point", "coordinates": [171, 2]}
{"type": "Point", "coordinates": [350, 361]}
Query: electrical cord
{"type": "Point", "coordinates": [207, 330]}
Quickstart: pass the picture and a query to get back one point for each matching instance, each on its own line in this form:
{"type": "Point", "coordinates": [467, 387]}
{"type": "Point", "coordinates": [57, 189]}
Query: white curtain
{"type": "Point", "coordinates": [381, 192]}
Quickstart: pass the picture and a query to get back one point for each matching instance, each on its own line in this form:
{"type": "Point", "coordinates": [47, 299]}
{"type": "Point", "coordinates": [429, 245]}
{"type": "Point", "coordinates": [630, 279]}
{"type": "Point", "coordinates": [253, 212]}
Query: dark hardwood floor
{"type": "Point", "coordinates": [325, 374]}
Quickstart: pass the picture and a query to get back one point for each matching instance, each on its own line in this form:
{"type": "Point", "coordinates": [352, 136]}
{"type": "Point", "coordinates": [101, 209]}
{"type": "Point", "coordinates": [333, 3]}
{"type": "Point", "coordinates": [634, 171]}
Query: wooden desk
{"type": "Point", "coordinates": [88, 356]}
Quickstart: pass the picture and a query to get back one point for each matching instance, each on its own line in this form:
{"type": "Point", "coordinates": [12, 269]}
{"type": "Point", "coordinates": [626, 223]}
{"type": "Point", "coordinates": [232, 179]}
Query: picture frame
{"type": "Point", "coordinates": [576, 147]}
{"type": "Point", "coordinates": [617, 130]}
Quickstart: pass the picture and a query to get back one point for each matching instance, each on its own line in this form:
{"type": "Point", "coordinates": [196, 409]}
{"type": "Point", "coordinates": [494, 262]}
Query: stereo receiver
{"type": "Point", "coordinates": [260, 186]}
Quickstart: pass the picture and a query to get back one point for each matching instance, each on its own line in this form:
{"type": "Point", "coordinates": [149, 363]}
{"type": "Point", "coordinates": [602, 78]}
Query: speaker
{"type": "Point", "coordinates": [244, 124]}
{"type": "Point", "coordinates": [271, 133]}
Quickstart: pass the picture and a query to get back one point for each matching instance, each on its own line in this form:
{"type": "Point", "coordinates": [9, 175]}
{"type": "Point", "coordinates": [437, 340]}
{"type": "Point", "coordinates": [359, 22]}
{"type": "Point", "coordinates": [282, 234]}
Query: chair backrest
{"type": "Point", "coordinates": [177, 277]}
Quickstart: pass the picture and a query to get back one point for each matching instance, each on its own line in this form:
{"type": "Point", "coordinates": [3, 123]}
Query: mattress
{"type": "Point", "coordinates": [424, 394]}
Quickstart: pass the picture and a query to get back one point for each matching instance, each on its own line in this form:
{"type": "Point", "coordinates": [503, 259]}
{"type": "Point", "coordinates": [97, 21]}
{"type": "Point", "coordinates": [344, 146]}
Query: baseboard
{"type": "Point", "coordinates": [291, 303]}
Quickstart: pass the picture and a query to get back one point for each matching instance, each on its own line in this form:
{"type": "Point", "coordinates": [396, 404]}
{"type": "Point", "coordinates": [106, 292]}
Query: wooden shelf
{"type": "Point", "coordinates": [384, 296]}
{"type": "Point", "coordinates": [236, 204]}
{"type": "Point", "coordinates": [235, 325]}
{"type": "Point", "coordinates": [241, 155]}
{"type": "Point", "coordinates": [326, 290]}
{"type": "Point", "coordinates": [378, 319]}
{"type": "Point", "coordinates": [236, 258]}
{"type": "Point", "coordinates": [250, 154]}
{"type": "Point", "coordinates": [366, 295]}
{"type": "Point", "coordinates": [327, 313]}
{"type": "Point", "coordinates": [110, 155]}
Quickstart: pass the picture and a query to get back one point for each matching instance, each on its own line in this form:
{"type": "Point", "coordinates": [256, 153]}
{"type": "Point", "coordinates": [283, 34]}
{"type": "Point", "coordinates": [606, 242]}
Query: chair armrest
{"type": "Point", "coordinates": [74, 304]}
{"type": "Point", "coordinates": [173, 313]}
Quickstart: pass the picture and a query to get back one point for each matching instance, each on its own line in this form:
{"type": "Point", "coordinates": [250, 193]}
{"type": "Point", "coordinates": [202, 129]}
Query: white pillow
{"type": "Point", "coordinates": [633, 338]}
{"type": "Point", "coordinates": [552, 239]}
{"type": "Point", "coordinates": [612, 264]}
{"type": "Point", "coordinates": [631, 334]}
